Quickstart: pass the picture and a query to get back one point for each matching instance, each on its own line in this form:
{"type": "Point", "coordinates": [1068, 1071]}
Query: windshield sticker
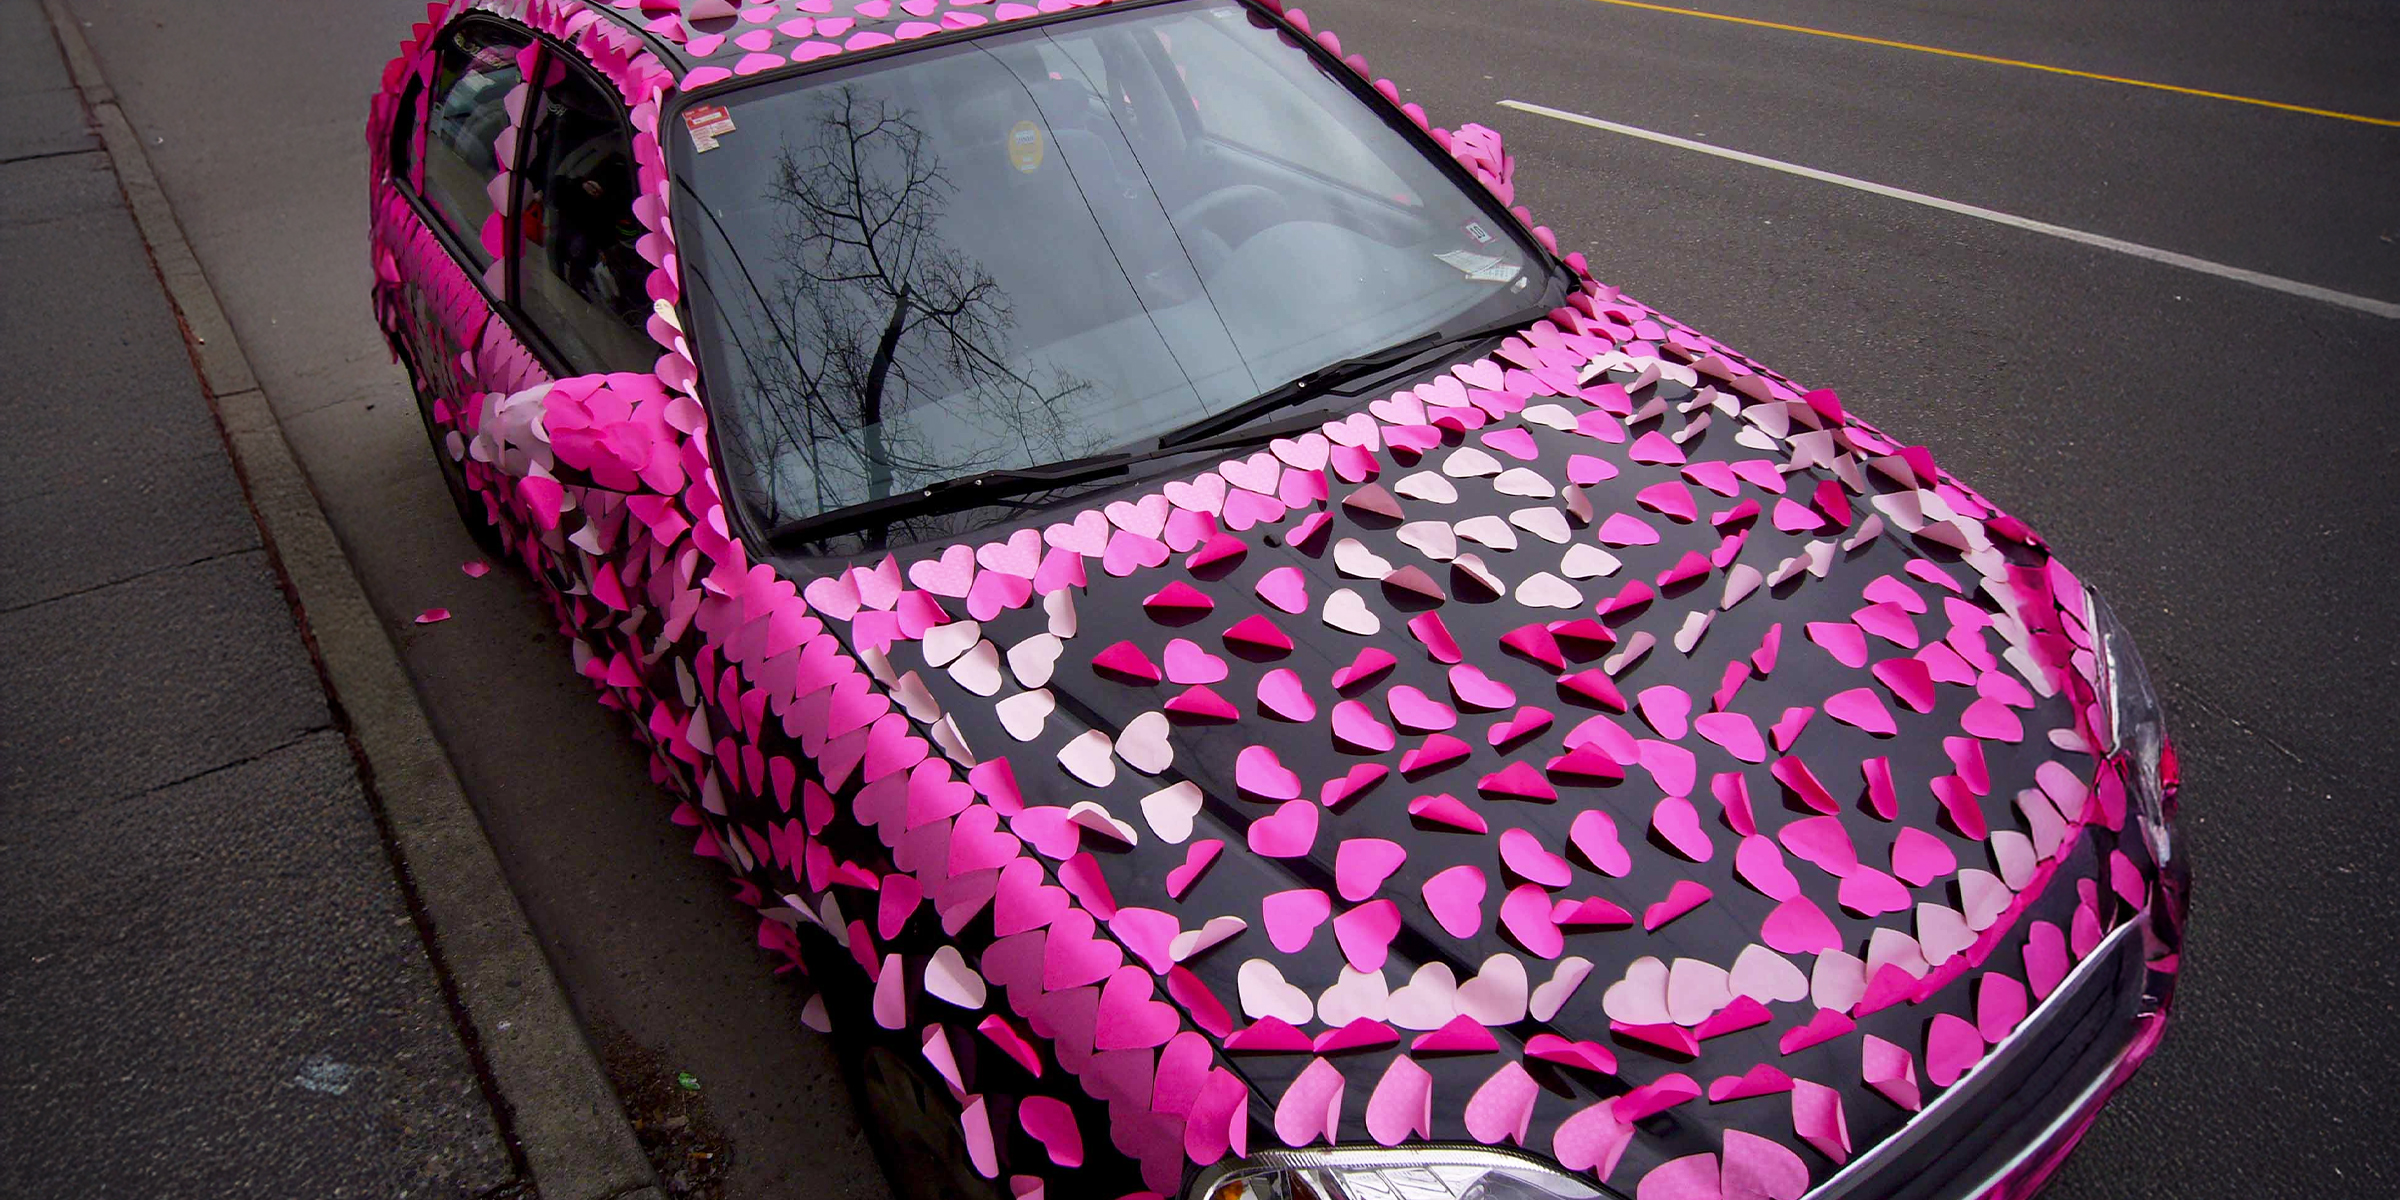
{"type": "Point", "coordinates": [1476, 230]}
{"type": "Point", "coordinates": [707, 123]}
{"type": "Point", "coordinates": [1025, 150]}
{"type": "Point", "coordinates": [1482, 268]}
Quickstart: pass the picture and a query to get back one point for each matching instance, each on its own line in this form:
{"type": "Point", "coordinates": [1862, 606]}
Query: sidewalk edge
{"type": "Point", "coordinates": [551, 1097]}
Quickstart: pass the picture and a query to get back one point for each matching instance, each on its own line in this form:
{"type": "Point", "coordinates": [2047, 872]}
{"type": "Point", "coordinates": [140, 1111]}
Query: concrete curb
{"type": "Point", "coordinates": [551, 1097]}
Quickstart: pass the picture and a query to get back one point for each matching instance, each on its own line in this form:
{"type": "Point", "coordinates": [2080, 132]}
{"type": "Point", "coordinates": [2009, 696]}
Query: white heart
{"type": "Point", "coordinates": [1032, 660]}
{"type": "Point", "coordinates": [1347, 611]}
{"type": "Point", "coordinates": [1767, 977]}
{"type": "Point", "coordinates": [1143, 743]}
{"type": "Point", "coordinates": [1170, 810]}
{"type": "Point", "coordinates": [1191, 942]}
{"type": "Point", "coordinates": [1889, 947]}
{"type": "Point", "coordinates": [1352, 558]}
{"type": "Point", "coordinates": [1740, 580]}
{"type": "Point", "coordinates": [1629, 652]}
{"type": "Point", "coordinates": [946, 642]}
{"type": "Point", "coordinates": [1550, 997]}
{"type": "Point", "coordinates": [1265, 994]}
{"type": "Point", "coordinates": [1429, 1000]}
{"type": "Point", "coordinates": [1696, 990]}
{"type": "Point", "coordinates": [1755, 439]}
{"type": "Point", "coordinates": [1023, 714]}
{"type": "Point", "coordinates": [978, 670]}
{"type": "Point", "coordinates": [1425, 485]}
{"type": "Point", "coordinates": [1356, 994]}
{"type": "Point", "coordinates": [1489, 530]}
{"type": "Point", "coordinates": [1473, 566]}
{"type": "Point", "coordinates": [1942, 932]}
{"type": "Point", "coordinates": [1586, 561]}
{"type": "Point", "coordinates": [1545, 590]}
{"type": "Point", "coordinates": [1467, 462]}
{"type": "Point", "coordinates": [910, 694]}
{"type": "Point", "coordinates": [1552, 415]}
{"type": "Point", "coordinates": [1640, 998]}
{"type": "Point", "coordinates": [1496, 996]}
{"type": "Point", "coordinates": [1524, 481]}
{"type": "Point", "coordinates": [1548, 524]}
{"type": "Point", "coordinates": [948, 977]}
{"type": "Point", "coordinates": [1090, 815]}
{"type": "Point", "coordinates": [1060, 607]}
{"type": "Point", "coordinates": [1433, 539]}
{"type": "Point", "coordinates": [1838, 981]}
{"type": "Point", "coordinates": [1695, 623]}
{"type": "Point", "coordinates": [1090, 758]}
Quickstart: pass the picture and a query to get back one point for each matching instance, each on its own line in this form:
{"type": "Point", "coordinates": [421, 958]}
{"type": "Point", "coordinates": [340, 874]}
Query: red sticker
{"type": "Point", "coordinates": [707, 123]}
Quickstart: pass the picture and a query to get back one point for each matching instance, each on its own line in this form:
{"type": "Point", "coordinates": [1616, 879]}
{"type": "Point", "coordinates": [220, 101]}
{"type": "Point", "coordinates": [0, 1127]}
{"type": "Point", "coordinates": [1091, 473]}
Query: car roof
{"type": "Point", "coordinates": [709, 42]}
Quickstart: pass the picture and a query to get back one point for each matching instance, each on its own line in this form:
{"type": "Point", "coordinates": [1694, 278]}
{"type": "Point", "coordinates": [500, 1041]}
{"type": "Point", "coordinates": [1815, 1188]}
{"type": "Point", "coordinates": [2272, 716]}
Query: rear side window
{"type": "Point", "coordinates": [579, 278]}
{"type": "Point", "coordinates": [473, 75]}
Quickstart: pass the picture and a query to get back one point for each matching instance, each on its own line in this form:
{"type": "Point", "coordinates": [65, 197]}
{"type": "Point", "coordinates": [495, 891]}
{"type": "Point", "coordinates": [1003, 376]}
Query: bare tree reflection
{"type": "Point", "coordinates": [880, 315]}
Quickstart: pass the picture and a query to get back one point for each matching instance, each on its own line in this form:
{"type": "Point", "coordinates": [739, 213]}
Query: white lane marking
{"type": "Point", "coordinates": [2365, 304]}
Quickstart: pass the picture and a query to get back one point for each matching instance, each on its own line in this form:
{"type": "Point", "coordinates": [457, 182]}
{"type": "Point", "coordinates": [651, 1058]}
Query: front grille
{"type": "Point", "coordinates": [2020, 1097]}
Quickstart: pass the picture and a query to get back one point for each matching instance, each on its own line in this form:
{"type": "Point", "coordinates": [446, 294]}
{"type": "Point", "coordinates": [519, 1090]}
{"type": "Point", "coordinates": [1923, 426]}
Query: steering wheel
{"type": "Point", "coordinates": [1204, 211]}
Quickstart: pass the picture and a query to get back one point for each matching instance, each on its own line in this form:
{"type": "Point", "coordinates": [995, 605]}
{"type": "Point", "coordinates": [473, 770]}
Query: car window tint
{"type": "Point", "coordinates": [579, 279]}
{"type": "Point", "coordinates": [472, 78]}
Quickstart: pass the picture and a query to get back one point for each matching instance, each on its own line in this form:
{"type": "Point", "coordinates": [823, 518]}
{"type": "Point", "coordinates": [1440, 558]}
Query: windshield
{"type": "Point", "coordinates": [1038, 245]}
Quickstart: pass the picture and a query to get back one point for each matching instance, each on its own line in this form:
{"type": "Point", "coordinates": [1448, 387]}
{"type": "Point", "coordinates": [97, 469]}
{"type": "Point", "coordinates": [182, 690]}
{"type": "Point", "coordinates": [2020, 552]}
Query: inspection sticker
{"type": "Point", "coordinates": [707, 123]}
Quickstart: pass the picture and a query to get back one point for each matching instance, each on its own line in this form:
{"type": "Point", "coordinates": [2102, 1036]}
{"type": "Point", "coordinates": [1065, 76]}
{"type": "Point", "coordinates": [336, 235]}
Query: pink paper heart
{"type": "Point", "coordinates": [1522, 852]}
{"type": "Point", "coordinates": [1402, 1103]}
{"type": "Point", "coordinates": [1285, 588]}
{"type": "Point", "coordinates": [1281, 693]}
{"type": "Point", "coordinates": [1311, 1108]}
{"type": "Point", "coordinates": [1292, 917]}
{"type": "Point", "coordinates": [1502, 1107]}
{"type": "Point", "coordinates": [1355, 726]}
{"type": "Point", "coordinates": [1258, 771]}
{"type": "Point", "coordinates": [1455, 898]}
{"type": "Point", "coordinates": [1129, 1018]}
{"type": "Point", "coordinates": [1863, 708]}
{"type": "Point", "coordinates": [1679, 823]}
{"type": "Point", "coordinates": [1737, 734]}
{"type": "Point", "coordinates": [1187, 663]}
{"type": "Point", "coordinates": [1414, 710]}
{"type": "Point", "coordinates": [1361, 865]}
{"type": "Point", "coordinates": [1365, 934]}
{"type": "Point", "coordinates": [1286, 833]}
{"type": "Point", "coordinates": [1525, 914]}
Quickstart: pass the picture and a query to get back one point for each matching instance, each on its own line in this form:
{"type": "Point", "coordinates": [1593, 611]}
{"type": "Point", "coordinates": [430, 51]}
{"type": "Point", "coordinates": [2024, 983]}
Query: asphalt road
{"type": "Point", "coordinates": [2221, 458]}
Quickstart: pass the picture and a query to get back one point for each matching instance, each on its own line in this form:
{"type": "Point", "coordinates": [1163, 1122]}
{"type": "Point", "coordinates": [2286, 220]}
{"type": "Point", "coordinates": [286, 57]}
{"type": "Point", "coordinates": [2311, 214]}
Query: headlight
{"type": "Point", "coordinates": [1416, 1173]}
{"type": "Point", "coordinates": [2135, 735]}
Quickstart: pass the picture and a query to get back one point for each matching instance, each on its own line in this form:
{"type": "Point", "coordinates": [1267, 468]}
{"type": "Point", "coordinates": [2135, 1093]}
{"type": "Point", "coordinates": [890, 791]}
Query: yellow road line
{"type": "Point", "coordinates": [2007, 62]}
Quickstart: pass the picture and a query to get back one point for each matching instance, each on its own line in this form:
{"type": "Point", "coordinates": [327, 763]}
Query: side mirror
{"type": "Point", "coordinates": [620, 433]}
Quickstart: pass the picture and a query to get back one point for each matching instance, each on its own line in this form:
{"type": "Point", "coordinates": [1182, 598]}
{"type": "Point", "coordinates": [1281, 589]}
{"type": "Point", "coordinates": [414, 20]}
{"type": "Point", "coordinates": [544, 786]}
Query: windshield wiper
{"type": "Point", "coordinates": [1335, 375]}
{"type": "Point", "coordinates": [984, 487]}
{"type": "Point", "coordinates": [1323, 379]}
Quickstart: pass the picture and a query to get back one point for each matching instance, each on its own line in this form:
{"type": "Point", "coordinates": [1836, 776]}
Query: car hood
{"type": "Point", "coordinates": [1663, 736]}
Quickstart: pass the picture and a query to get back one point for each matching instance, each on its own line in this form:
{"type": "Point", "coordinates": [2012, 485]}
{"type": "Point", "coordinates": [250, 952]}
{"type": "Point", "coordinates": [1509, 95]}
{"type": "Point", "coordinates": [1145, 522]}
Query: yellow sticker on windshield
{"type": "Point", "coordinates": [1025, 146]}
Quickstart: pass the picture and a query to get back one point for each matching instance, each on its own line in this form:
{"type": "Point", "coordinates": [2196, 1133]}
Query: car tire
{"type": "Point", "coordinates": [906, 1111]}
{"type": "Point", "coordinates": [465, 499]}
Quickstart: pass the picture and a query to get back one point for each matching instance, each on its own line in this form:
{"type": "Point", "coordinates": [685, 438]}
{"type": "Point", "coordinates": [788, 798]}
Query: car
{"type": "Point", "coordinates": [1235, 668]}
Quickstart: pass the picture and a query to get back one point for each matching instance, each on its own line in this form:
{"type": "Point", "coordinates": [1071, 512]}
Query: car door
{"type": "Point", "coordinates": [441, 233]}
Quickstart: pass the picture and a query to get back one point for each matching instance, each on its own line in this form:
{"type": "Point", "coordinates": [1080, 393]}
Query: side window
{"type": "Point", "coordinates": [472, 78]}
{"type": "Point", "coordinates": [579, 279]}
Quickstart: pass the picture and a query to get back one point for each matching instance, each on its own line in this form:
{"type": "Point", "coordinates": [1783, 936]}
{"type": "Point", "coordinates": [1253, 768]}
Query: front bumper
{"type": "Point", "coordinates": [2000, 1132]}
